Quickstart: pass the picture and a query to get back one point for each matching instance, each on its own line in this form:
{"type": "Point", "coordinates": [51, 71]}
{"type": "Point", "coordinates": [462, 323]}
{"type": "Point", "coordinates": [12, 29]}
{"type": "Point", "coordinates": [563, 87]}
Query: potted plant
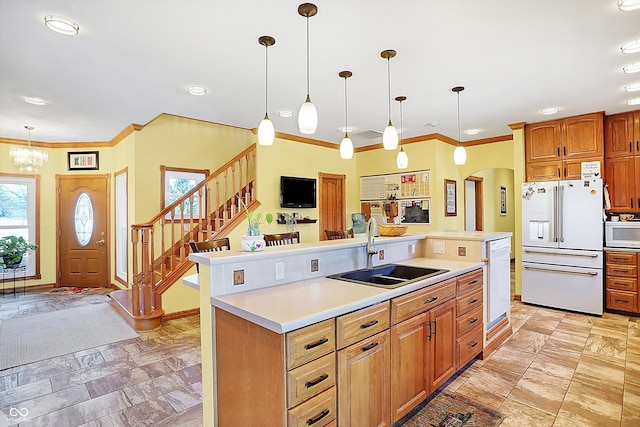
{"type": "Point", "coordinates": [253, 240]}
{"type": "Point", "coordinates": [12, 249]}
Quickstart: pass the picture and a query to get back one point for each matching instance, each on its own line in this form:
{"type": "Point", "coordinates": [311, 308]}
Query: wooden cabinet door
{"type": "Point", "coordinates": [364, 372]}
{"type": "Point", "coordinates": [409, 364]}
{"type": "Point", "coordinates": [544, 171]}
{"type": "Point", "coordinates": [443, 344]}
{"type": "Point", "coordinates": [636, 205]}
{"type": "Point", "coordinates": [582, 136]}
{"type": "Point", "coordinates": [619, 140]}
{"type": "Point", "coordinates": [622, 183]}
{"type": "Point", "coordinates": [542, 141]}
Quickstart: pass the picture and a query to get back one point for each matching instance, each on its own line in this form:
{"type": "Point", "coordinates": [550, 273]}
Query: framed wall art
{"type": "Point", "coordinates": [503, 200]}
{"type": "Point", "coordinates": [450, 200]}
{"type": "Point", "coordinates": [82, 160]}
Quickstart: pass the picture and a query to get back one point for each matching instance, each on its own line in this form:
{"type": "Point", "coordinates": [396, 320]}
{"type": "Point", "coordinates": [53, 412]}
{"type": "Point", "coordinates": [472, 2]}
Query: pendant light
{"type": "Point", "coordinates": [308, 116]}
{"type": "Point", "coordinates": [402, 160]}
{"type": "Point", "coordinates": [346, 146]}
{"type": "Point", "coordinates": [390, 135]}
{"type": "Point", "coordinates": [28, 159]}
{"type": "Point", "coordinates": [459, 154]}
{"type": "Point", "coordinates": [266, 133]}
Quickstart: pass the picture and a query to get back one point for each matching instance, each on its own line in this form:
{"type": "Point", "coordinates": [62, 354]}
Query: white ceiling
{"type": "Point", "coordinates": [134, 59]}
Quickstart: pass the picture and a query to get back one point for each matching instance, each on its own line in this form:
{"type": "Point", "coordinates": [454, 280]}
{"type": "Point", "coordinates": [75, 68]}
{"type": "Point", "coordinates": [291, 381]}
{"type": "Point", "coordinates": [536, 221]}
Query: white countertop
{"type": "Point", "coordinates": [484, 236]}
{"type": "Point", "coordinates": [295, 305]}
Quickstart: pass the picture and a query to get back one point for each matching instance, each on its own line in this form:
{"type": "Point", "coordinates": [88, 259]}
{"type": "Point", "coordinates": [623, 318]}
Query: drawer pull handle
{"type": "Point", "coordinates": [473, 282]}
{"type": "Point", "coordinates": [473, 344]}
{"type": "Point", "coordinates": [474, 320]}
{"type": "Point", "coordinates": [430, 300]}
{"type": "Point", "coordinates": [316, 381]}
{"type": "Point", "coordinates": [621, 271]}
{"type": "Point", "coordinates": [473, 301]}
{"type": "Point", "coordinates": [316, 343]}
{"type": "Point", "coordinates": [318, 417]}
{"type": "Point", "coordinates": [370, 346]}
{"type": "Point", "coordinates": [623, 301]}
{"type": "Point", "coordinates": [368, 325]}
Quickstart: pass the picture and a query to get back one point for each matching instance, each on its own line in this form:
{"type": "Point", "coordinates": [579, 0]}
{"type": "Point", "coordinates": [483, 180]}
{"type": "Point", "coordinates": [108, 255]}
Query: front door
{"type": "Point", "coordinates": [332, 203]}
{"type": "Point", "coordinates": [83, 247]}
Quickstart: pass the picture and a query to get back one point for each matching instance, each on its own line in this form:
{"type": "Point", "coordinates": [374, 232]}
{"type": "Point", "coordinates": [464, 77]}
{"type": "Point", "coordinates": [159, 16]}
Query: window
{"type": "Point", "coordinates": [122, 227]}
{"type": "Point", "coordinates": [20, 216]}
{"type": "Point", "coordinates": [175, 183]}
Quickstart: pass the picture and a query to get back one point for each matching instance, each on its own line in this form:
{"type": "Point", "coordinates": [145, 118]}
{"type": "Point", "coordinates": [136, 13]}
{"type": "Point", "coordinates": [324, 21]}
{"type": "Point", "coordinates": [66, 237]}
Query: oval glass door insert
{"type": "Point", "coordinates": [83, 219]}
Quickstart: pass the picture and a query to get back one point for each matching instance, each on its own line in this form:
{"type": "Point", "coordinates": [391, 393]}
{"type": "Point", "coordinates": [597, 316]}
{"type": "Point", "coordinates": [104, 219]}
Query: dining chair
{"type": "Point", "coordinates": [210, 246]}
{"type": "Point", "coordinates": [279, 239]}
{"type": "Point", "coordinates": [339, 234]}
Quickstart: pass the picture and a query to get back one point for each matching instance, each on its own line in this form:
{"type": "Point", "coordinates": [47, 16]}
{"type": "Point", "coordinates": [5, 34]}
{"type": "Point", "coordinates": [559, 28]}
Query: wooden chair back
{"type": "Point", "coordinates": [210, 246]}
{"type": "Point", "coordinates": [339, 234]}
{"type": "Point", "coordinates": [289, 238]}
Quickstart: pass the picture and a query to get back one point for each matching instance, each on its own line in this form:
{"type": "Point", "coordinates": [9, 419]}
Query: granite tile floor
{"type": "Point", "coordinates": [558, 369]}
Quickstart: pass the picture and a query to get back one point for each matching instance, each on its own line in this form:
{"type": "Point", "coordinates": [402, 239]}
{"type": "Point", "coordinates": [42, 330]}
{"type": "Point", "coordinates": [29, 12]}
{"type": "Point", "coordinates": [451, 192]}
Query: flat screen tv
{"type": "Point", "coordinates": [297, 192]}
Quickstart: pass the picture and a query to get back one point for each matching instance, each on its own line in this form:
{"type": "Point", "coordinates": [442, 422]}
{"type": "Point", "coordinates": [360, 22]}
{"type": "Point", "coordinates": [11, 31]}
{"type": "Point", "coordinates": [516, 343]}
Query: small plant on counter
{"type": "Point", "coordinates": [255, 219]}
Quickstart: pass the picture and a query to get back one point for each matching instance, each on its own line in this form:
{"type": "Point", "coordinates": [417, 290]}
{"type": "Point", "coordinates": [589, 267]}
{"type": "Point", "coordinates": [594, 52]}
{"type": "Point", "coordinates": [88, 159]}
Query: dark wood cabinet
{"type": "Point", "coordinates": [443, 344]}
{"type": "Point", "coordinates": [622, 163]}
{"type": "Point", "coordinates": [621, 272]}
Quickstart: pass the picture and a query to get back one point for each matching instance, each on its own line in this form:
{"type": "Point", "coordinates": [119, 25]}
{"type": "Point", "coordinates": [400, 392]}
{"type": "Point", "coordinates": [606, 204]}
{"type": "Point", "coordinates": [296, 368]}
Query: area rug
{"type": "Point", "coordinates": [451, 410]}
{"type": "Point", "coordinates": [27, 339]}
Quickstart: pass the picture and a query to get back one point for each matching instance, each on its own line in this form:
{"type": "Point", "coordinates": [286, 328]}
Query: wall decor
{"type": "Point", "coordinates": [82, 160]}
{"type": "Point", "coordinates": [450, 201]}
{"type": "Point", "coordinates": [503, 200]}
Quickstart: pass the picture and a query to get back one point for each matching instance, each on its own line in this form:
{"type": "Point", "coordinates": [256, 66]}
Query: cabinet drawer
{"type": "Point", "coordinates": [468, 321]}
{"type": "Point", "coordinates": [310, 379]}
{"type": "Point", "coordinates": [468, 302]}
{"type": "Point", "coordinates": [469, 346]}
{"type": "Point", "coordinates": [621, 258]}
{"type": "Point", "coordinates": [422, 300]}
{"type": "Point", "coordinates": [468, 282]}
{"type": "Point", "coordinates": [306, 344]}
{"type": "Point", "coordinates": [622, 284]}
{"type": "Point", "coordinates": [621, 300]}
{"type": "Point", "coordinates": [318, 411]}
{"type": "Point", "coordinates": [621, 270]}
{"type": "Point", "coordinates": [361, 324]}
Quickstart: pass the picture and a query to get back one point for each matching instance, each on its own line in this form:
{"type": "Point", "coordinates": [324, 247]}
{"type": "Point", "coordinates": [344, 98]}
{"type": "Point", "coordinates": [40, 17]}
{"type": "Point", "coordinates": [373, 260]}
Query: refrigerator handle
{"type": "Point", "coordinates": [555, 213]}
{"type": "Point", "coordinates": [560, 211]}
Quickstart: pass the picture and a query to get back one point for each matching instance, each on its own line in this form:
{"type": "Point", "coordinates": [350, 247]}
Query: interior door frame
{"type": "Point", "coordinates": [107, 177]}
{"type": "Point", "coordinates": [479, 207]}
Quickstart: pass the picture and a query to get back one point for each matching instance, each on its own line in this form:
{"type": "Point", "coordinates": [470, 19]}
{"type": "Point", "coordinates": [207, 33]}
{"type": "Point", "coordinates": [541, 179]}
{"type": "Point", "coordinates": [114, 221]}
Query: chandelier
{"type": "Point", "coordinates": [28, 159]}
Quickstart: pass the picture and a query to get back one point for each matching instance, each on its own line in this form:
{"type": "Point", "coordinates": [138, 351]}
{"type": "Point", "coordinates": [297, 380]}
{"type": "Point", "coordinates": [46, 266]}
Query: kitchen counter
{"type": "Point", "coordinates": [484, 236]}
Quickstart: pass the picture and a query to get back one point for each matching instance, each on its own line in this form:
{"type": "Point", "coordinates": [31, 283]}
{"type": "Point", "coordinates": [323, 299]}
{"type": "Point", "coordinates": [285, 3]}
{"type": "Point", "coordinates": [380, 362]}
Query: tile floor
{"type": "Point", "coordinates": [558, 369]}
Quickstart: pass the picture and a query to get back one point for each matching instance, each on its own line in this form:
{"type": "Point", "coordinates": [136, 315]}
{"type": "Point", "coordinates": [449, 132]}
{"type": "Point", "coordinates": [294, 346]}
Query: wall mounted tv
{"type": "Point", "coordinates": [297, 192]}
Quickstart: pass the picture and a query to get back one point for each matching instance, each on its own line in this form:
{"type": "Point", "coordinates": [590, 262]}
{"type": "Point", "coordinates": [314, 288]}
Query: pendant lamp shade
{"type": "Point", "coordinates": [266, 132]}
{"type": "Point", "coordinates": [390, 134]}
{"type": "Point", "coordinates": [459, 154]}
{"type": "Point", "coordinates": [346, 146]}
{"type": "Point", "coordinates": [308, 115]}
{"type": "Point", "coordinates": [402, 159]}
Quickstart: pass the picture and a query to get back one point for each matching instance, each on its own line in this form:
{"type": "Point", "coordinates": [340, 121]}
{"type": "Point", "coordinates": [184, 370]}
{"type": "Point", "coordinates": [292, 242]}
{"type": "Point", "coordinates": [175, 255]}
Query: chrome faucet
{"type": "Point", "coordinates": [372, 225]}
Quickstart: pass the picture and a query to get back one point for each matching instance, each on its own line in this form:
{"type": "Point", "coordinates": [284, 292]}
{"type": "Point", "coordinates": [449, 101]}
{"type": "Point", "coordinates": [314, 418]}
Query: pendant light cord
{"type": "Point", "coordinates": [401, 125]}
{"type": "Point", "coordinates": [266, 79]}
{"type": "Point", "coordinates": [346, 111]}
{"type": "Point", "coordinates": [459, 137]}
{"type": "Point", "coordinates": [389, 86]}
{"type": "Point", "coordinates": [307, 55]}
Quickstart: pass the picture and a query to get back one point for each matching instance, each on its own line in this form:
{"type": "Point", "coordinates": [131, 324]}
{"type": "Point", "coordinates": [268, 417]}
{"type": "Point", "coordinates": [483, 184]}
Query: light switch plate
{"type": "Point", "coordinates": [438, 247]}
{"type": "Point", "coordinates": [279, 266]}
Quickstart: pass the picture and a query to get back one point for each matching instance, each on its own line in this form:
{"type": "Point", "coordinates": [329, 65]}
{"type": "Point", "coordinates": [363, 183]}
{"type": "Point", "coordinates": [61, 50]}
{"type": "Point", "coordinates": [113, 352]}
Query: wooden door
{"type": "Point", "coordinates": [443, 343]}
{"type": "Point", "coordinates": [582, 136]}
{"type": "Point", "coordinates": [621, 178]}
{"type": "Point", "coordinates": [543, 171]}
{"type": "Point", "coordinates": [542, 141]}
{"type": "Point", "coordinates": [409, 365]}
{"type": "Point", "coordinates": [83, 230]}
{"type": "Point", "coordinates": [618, 135]}
{"type": "Point", "coordinates": [363, 383]}
{"type": "Point", "coordinates": [331, 203]}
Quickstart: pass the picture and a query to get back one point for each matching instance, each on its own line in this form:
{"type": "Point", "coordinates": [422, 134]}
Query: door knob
{"type": "Point", "coordinates": [100, 242]}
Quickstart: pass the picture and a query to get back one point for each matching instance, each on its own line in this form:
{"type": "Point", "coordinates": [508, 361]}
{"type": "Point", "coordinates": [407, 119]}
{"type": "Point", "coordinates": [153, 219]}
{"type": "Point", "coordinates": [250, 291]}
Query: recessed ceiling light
{"type": "Point", "coordinates": [627, 5]}
{"type": "Point", "coordinates": [35, 100]}
{"type": "Point", "coordinates": [549, 111]}
{"type": "Point", "coordinates": [61, 25]}
{"type": "Point", "coordinates": [632, 68]}
{"type": "Point", "coordinates": [197, 90]}
{"type": "Point", "coordinates": [634, 87]}
{"type": "Point", "coordinates": [634, 101]}
{"type": "Point", "coordinates": [631, 47]}
{"type": "Point", "coordinates": [347, 129]}
{"type": "Point", "coordinates": [285, 113]}
{"type": "Point", "coordinates": [472, 131]}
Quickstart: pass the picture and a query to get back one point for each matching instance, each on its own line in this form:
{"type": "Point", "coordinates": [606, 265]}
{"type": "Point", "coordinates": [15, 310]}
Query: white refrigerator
{"type": "Point", "coordinates": [562, 239]}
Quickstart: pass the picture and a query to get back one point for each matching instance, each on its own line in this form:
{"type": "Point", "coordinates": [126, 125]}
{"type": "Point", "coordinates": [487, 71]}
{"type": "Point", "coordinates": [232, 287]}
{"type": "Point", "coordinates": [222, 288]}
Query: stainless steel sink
{"type": "Point", "coordinates": [388, 276]}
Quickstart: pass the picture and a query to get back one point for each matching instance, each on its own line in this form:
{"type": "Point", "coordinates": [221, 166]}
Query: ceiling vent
{"type": "Point", "coordinates": [368, 134]}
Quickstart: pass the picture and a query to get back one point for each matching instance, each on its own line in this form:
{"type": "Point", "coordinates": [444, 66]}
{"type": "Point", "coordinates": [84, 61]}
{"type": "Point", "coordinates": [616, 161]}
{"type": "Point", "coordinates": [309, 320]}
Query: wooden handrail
{"type": "Point", "coordinates": [210, 209]}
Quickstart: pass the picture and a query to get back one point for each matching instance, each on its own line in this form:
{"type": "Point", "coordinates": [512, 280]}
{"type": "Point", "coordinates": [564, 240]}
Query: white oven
{"type": "Point", "coordinates": [622, 234]}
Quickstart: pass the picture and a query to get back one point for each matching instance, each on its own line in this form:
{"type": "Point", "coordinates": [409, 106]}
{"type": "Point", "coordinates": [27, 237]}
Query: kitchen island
{"type": "Point", "coordinates": [250, 333]}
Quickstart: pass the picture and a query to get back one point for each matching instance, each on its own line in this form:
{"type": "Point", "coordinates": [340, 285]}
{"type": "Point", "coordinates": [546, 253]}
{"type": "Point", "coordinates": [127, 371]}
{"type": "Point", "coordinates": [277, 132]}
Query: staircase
{"type": "Point", "coordinates": [160, 247]}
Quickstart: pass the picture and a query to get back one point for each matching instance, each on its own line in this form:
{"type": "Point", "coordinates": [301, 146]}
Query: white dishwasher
{"type": "Point", "coordinates": [499, 278]}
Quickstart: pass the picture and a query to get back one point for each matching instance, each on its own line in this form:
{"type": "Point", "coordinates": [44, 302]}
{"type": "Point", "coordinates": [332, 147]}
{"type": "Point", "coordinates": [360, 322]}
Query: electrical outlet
{"type": "Point", "coordinates": [279, 270]}
{"type": "Point", "coordinates": [412, 248]}
{"type": "Point", "coordinates": [438, 247]}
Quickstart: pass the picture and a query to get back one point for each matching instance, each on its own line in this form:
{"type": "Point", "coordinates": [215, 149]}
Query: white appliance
{"type": "Point", "coordinates": [499, 275]}
{"type": "Point", "coordinates": [622, 234]}
{"type": "Point", "coordinates": [562, 236]}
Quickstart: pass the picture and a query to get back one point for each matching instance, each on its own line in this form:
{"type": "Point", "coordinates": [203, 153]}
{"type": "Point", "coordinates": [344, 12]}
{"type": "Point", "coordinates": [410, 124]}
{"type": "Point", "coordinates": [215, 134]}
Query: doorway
{"type": "Point", "coordinates": [473, 206]}
{"type": "Point", "coordinates": [331, 204]}
{"type": "Point", "coordinates": [83, 230]}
